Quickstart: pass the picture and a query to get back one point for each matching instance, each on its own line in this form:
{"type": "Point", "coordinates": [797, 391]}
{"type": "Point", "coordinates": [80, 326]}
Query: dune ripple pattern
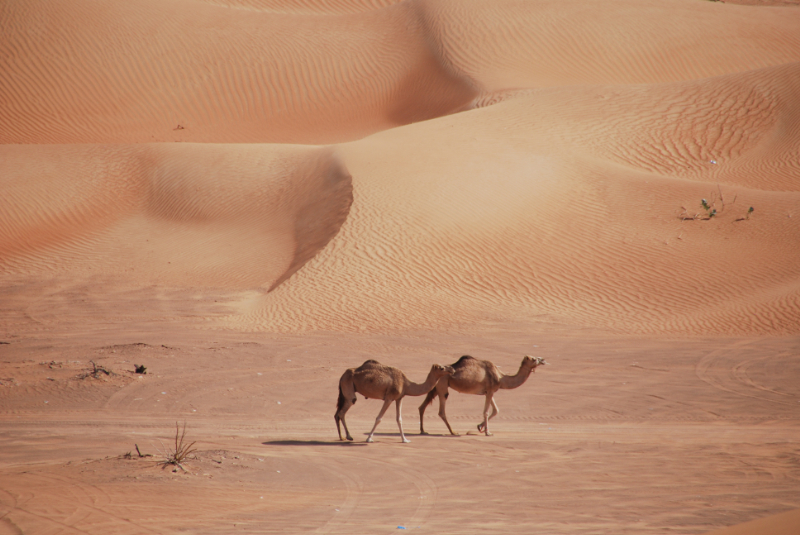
{"type": "Point", "coordinates": [576, 217]}
{"type": "Point", "coordinates": [217, 215]}
{"type": "Point", "coordinates": [371, 165]}
{"type": "Point", "coordinates": [323, 72]}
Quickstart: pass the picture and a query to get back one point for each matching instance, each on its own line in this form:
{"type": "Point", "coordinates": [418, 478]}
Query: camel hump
{"type": "Point", "coordinates": [463, 360]}
{"type": "Point", "coordinates": [371, 362]}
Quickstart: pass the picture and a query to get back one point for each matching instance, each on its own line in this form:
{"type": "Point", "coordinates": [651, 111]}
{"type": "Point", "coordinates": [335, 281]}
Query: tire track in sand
{"type": "Point", "coordinates": [716, 369]}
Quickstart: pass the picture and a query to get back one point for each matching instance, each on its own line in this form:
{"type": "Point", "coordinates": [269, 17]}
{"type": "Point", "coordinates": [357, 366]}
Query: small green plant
{"type": "Point", "coordinates": [710, 212]}
{"type": "Point", "coordinates": [747, 215]}
{"type": "Point", "coordinates": [709, 208]}
{"type": "Point", "coordinates": [181, 452]}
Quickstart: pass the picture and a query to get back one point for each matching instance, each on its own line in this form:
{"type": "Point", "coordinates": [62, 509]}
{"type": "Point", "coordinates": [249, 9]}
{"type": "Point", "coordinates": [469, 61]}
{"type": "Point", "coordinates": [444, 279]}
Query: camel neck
{"type": "Point", "coordinates": [418, 389]}
{"type": "Point", "coordinates": [513, 381]}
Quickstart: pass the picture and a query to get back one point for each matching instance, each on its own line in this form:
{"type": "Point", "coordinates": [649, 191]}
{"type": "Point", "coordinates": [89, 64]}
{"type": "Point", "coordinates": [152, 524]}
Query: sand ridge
{"type": "Point", "coordinates": [191, 71]}
{"type": "Point", "coordinates": [542, 230]}
{"type": "Point", "coordinates": [158, 212]}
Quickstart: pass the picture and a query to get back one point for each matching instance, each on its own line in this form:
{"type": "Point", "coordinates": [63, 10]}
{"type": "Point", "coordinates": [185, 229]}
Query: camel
{"type": "Point", "coordinates": [374, 380]}
{"type": "Point", "coordinates": [480, 377]}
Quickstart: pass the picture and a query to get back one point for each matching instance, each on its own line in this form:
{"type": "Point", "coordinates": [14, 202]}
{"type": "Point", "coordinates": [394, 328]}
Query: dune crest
{"type": "Point", "coordinates": [507, 44]}
{"type": "Point", "coordinates": [208, 215]}
{"type": "Point", "coordinates": [746, 124]}
{"type": "Point", "coordinates": [571, 206]}
{"type": "Point", "coordinates": [782, 524]}
{"type": "Point", "coordinates": [317, 7]}
{"type": "Point", "coordinates": [193, 71]}
{"type": "Point", "coordinates": [578, 217]}
{"type": "Point", "coordinates": [184, 70]}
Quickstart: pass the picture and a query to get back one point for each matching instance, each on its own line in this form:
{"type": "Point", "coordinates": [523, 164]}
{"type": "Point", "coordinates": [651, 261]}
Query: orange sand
{"type": "Point", "coordinates": [225, 188]}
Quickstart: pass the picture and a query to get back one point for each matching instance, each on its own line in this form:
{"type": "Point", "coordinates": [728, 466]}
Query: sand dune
{"type": "Point", "coordinates": [306, 6]}
{"type": "Point", "coordinates": [512, 44]}
{"type": "Point", "coordinates": [212, 73]}
{"type": "Point", "coordinates": [189, 71]}
{"type": "Point", "coordinates": [560, 205]}
{"type": "Point", "coordinates": [544, 208]}
{"type": "Point", "coordinates": [173, 214]}
{"type": "Point", "coordinates": [783, 524]}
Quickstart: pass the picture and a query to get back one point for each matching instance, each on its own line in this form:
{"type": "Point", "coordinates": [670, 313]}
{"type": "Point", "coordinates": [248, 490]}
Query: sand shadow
{"type": "Point", "coordinates": [415, 434]}
{"type": "Point", "coordinates": [311, 443]}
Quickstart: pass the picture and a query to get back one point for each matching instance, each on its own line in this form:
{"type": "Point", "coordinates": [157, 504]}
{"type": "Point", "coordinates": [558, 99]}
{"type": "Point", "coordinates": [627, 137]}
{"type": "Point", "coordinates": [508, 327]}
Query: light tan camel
{"type": "Point", "coordinates": [374, 380]}
{"type": "Point", "coordinates": [480, 377]}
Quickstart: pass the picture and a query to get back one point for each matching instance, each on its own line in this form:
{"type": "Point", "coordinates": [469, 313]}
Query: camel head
{"type": "Point", "coordinates": [533, 362]}
{"type": "Point", "coordinates": [438, 370]}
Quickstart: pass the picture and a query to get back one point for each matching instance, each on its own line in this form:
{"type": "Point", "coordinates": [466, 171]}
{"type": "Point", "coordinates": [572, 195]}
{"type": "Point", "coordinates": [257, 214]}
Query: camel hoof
{"type": "Point", "coordinates": [369, 439]}
{"type": "Point", "coordinates": [453, 433]}
{"type": "Point", "coordinates": [424, 433]}
{"type": "Point", "coordinates": [350, 439]}
{"type": "Point", "coordinates": [489, 434]}
{"type": "Point", "coordinates": [406, 441]}
{"type": "Point", "coordinates": [480, 428]}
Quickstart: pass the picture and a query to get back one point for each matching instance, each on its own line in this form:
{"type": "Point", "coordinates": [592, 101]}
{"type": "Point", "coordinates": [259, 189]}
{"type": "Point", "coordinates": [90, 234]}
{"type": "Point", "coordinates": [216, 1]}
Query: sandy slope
{"type": "Point", "coordinates": [543, 207]}
{"type": "Point", "coordinates": [160, 213]}
{"type": "Point", "coordinates": [407, 181]}
{"type": "Point", "coordinates": [564, 205]}
{"type": "Point", "coordinates": [186, 70]}
{"type": "Point", "coordinates": [189, 71]}
{"type": "Point", "coordinates": [783, 524]}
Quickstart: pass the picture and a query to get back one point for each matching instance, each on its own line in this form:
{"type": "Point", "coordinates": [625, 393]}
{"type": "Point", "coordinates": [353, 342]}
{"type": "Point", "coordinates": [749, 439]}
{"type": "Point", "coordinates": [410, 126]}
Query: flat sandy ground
{"type": "Point", "coordinates": [249, 197]}
{"type": "Point", "coordinates": [614, 435]}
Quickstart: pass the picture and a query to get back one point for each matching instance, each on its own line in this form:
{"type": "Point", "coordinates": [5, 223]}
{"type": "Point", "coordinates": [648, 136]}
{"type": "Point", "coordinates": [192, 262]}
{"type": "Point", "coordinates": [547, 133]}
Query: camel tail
{"type": "Point", "coordinates": [340, 401]}
{"type": "Point", "coordinates": [428, 399]}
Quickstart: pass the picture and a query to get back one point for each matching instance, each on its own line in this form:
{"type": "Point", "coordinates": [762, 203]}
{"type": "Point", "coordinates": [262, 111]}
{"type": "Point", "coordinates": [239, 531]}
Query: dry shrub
{"type": "Point", "coordinates": [181, 452]}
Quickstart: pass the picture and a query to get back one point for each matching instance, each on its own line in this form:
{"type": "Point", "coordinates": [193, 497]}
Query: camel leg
{"type": "Point", "coordinates": [347, 397]}
{"type": "Point", "coordinates": [386, 404]}
{"type": "Point", "coordinates": [485, 426]}
{"type": "Point", "coordinates": [400, 421]}
{"type": "Point", "coordinates": [495, 410]}
{"type": "Point", "coordinates": [428, 401]}
{"type": "Point", "coordinates": [340, 417]}
{"type": "Point", "coordinates": [442, 414]}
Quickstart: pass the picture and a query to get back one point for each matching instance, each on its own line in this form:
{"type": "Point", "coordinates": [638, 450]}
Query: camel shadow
{"type": "Point", "coordinates": [432, 435]}
{"type": "Point", "coordinates": [311, 443]}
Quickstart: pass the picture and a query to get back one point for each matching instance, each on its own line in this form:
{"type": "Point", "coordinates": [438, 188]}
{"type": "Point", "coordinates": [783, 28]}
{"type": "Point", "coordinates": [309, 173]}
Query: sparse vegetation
{"type": "Point", "coordinates": [141, 455]}
{"type": "Point", "coordinates": [747, 215]}
{"type": "Point", "coordinates": [140, 369]}
{"type": "Point", "coordinates": [180, 453]}
{"type": "Point", "coordinates": [710, 212]}
{"type": "Point", "coordinates": [95, 372]}
{"type": "Point", "coordinates": [710, 208]}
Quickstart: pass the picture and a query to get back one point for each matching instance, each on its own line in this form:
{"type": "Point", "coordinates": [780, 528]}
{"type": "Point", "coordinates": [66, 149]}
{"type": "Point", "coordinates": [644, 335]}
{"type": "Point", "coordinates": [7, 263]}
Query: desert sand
{"type": "Point", "coordinates": [249, 197]}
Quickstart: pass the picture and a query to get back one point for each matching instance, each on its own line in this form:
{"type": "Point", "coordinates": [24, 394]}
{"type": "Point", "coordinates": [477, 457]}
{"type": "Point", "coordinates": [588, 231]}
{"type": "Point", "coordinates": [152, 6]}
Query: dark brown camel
{"type": "Point", "coordinates": [374, 380]}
